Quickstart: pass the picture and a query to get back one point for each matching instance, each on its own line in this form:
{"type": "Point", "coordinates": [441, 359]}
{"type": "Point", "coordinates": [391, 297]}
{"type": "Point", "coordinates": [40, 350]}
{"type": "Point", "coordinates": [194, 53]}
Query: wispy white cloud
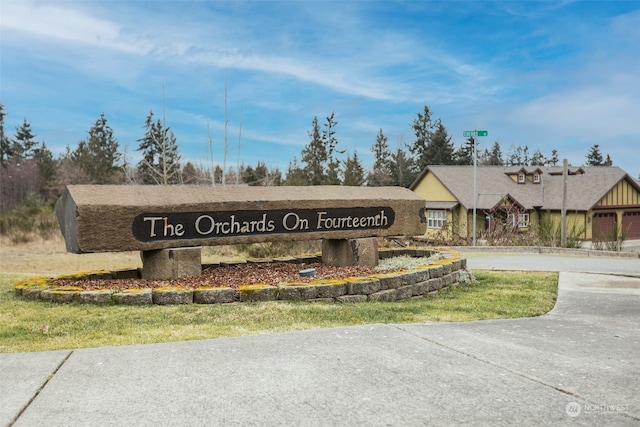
{"type": "Point", "coordinates": [61, 23]}
{"type": "Point", "coordinates": [558, 69]}
{"type": "Point", "coordinates": [355, 75]}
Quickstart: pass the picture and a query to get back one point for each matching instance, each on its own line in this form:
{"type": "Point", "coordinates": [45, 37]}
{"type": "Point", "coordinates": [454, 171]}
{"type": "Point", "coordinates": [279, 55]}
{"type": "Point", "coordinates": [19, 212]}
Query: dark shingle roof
{"type": "Point", "coordinates": [584, 189]}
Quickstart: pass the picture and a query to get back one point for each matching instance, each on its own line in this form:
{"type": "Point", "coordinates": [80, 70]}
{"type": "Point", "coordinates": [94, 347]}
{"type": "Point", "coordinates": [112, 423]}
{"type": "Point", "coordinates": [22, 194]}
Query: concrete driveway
{"type": "Point", "coordinates": [577, 365]}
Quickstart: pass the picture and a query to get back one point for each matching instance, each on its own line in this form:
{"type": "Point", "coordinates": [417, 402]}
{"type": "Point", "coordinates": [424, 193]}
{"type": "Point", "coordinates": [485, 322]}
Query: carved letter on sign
{"type": "Point", "coordinates": [149, 227]}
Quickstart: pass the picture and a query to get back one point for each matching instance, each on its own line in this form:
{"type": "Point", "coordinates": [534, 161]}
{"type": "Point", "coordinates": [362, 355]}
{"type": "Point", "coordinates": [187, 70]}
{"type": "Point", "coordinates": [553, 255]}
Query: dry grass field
{"type": "Point", "coordinates": [48, 256]}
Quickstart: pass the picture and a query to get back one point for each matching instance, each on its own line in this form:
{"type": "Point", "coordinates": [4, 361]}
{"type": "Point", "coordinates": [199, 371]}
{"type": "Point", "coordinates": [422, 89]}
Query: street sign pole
{"type": "Point", "coordinates": [473, 134]}
{"type": "Point", "coordinates": [475, 189]}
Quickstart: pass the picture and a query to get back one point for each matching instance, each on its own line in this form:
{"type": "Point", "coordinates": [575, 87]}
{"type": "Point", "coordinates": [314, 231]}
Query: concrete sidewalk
{"type": "Point", "coordinates": [577, 365]}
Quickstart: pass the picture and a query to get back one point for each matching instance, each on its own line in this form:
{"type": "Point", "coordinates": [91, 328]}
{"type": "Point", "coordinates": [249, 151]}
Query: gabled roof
{"type": "Point", "coordinates": [585, 185]}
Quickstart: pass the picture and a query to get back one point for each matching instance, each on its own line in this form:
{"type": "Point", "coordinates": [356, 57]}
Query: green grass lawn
{"type": "Point", "coordinates": [38, 325]}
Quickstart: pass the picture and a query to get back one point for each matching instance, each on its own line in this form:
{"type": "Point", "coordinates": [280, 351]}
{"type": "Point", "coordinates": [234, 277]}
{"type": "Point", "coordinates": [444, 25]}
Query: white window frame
{"type": "Point", "coordinates": [536, 178]}
{"type": "Point", "coordinates": [436, 218]}
{"type": "Point", "coordinates": [523, 220]}
{"type": "Point", "coordinates": [521, 178]}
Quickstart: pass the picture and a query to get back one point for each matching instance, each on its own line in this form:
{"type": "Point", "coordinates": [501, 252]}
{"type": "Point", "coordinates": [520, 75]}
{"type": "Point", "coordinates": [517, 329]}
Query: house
{"type": "Point", "coordinates": [600, 200]}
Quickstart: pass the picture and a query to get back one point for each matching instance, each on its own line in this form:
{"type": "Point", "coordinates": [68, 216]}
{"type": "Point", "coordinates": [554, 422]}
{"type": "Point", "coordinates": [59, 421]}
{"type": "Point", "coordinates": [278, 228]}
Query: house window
{"type": "Point", "coordinates": [523, 220]}
{"type": "Point", "coordinates": [436, 218]}
{"type": "Point", "coordinates": [521, 178]}
{"type": "Point", "coordinates": [536, 178]}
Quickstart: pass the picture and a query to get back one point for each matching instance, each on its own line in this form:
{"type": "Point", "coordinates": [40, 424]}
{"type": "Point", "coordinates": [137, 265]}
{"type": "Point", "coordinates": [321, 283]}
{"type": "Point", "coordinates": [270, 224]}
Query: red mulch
{"type": "Point", "coordinates": [272, 273]}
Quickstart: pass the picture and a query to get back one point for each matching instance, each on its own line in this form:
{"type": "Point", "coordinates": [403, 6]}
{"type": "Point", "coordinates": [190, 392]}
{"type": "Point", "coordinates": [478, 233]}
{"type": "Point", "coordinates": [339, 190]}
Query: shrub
{"type": "Point", "coordinates": [32, 216]}
{"type": "Point", "coordinates": [612, 240]}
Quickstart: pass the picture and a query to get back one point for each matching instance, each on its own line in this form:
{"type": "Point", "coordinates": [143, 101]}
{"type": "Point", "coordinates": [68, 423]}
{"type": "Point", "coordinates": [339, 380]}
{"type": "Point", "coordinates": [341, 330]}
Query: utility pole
{"type": "Point", "coordinates": [563, 227]}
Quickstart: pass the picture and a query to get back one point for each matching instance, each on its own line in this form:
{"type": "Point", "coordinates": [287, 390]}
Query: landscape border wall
{"type": "Point", "coordinates": [426, 280]}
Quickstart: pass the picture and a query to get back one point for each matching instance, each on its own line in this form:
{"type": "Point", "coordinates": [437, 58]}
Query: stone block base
{"type": "Point", "coordinates": [174, 263]}
{"type": "Point", "coordinates": [350, 252]}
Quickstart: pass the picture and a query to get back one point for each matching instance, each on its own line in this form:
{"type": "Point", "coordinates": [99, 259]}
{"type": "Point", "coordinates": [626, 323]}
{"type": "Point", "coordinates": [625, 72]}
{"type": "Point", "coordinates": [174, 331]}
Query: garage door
{"type": "Point", "coordinates": [604, 226]}
{"type": "Point", "coordinates": [631, 224]}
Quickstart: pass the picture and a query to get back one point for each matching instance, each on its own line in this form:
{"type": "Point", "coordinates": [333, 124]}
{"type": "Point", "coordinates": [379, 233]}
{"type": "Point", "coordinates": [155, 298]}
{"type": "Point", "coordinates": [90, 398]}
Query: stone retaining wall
{"type": "Point", "coordinates": [386, 286]}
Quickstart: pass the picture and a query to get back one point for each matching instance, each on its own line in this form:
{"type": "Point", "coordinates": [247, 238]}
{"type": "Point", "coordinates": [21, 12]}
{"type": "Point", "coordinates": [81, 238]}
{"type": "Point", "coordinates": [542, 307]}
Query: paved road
{"type": "Point", "coordinates": [554, 262]}
{"type": "Point", "coordinates": [577, 365]}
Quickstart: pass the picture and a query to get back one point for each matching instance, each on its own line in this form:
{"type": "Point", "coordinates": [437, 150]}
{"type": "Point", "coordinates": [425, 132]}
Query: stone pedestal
{"type": "Point", "coordinates": [350, 252]}
{"type": "Point", "coordinates": [171, 263]}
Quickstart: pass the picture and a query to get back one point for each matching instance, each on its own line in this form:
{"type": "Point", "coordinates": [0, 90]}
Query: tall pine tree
{"type": "Point", "coordinates": [492, 157]}
{"type": "Point", "coordinates": [314, 156]}
{"type": "Point", "coordinates": [423, 129]}
{"type": "Point", "coordinates": [24, 143]}
{"type": "Point", "coordinates": [594, 156]}
{"type": "Point", "coordinates": [381, 173]}
{"type": "Point", "coordinates": [321, 166]}
{"type": "Point", "coordinates": [440, 148]}
{"type": "Point", "coordinates": [464, 154]}
{"type": "Point", "coordinates": [330, 142]}
{"type": "Point", "coordinates": [5, 143]}
{"type": "Point", "coordinates": [432, 145]}
{"type": "Point", "coordinates": [402, 169]}
{"type": "Point", "coordinates": [353, 171]}
{"type": "Point", "coordinates": [295, 174]}
{"type": "Point", "coordinates": [47, 171]}
{"type": "Point", "coordinates": [160, 162]}
{"type": "Point", "coordinates": [98, 156]}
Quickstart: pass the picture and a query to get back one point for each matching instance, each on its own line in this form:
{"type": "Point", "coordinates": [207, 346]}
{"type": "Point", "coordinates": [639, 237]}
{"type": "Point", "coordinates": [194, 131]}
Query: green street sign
{"type": "Point", "coordinates": [470, 133]}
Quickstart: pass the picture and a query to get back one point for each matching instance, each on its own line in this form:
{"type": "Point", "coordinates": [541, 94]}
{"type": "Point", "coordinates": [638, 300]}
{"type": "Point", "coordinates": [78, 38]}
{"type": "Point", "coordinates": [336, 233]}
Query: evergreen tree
{"type": "Point", "coordinates": [538, 159]}
{"type": "Point", "coordinates": [493, 157]}
{"type": "Point", "coordinates": [275, 178]}
{"type": "Point", "coordinates": [553, 161]}
{"type": "Point", "coordinates": [321, 166]}
{"type": "Point", "coordinates": [440, 148]}
{"type": "Point", "coordinates": [423, 130]}
{"type": "Point", "coordinates": [249, 176]}
{"type": "Point", "coordinates": [160, 162]}
{"type": "Point", "coordinates": [353, 171]}
{"type": "Point", "coordinates": [265, 177]}
{"type": "Point", "coordinates": [98, 155]}
{"type": "Point", "coordinates": [47, 171]}
{"type": "Point", "coordinates": [5, 143]}
{"type": "Point", "coordinates": [24, 144]}
{"type": "Point", "coordinates": [295, 174]}
{"type": "Point", "coordinates": [464, 155]}
{"type": "Point", "coordinates": [330, 142]}
{"type": "Point", "coordinates": [433, 145]}
{"type": "Point", "coordinates": [594, 157]}
{"type": "Point", "coordinates": [69, 172]}
{"type": "Point", "coordinates": [189, 174]}
{"type": "Point", "coordinates": [381, 173]}
{"type": "Point", "coordinates": [518, 156]}
{"type": "Point", "coordinates": [402, 169]}
{"type": "Point", "coordinates": [608, 161]}
{"type": "Point", "coordinates": [314, 156]}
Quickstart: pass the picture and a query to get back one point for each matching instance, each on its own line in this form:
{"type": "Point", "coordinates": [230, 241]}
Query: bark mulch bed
{"type": "Point", "coordinates": [272, 273]}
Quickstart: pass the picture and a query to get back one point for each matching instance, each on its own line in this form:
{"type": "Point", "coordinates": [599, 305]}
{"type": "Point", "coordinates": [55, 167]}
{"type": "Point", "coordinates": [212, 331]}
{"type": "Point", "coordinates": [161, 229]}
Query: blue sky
{"type": "Point", "coordinates": [546, 74]}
